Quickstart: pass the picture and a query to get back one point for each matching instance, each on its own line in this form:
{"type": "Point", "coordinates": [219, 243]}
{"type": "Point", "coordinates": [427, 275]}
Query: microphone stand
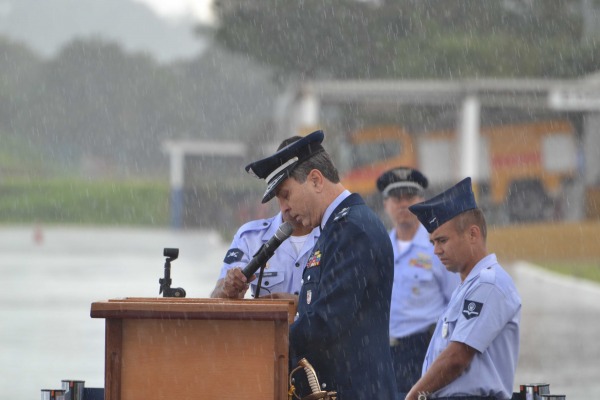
{"type": "Point", "coordinates": [165, 283]}
{"type": "Point", "coordinates": [260, 274]}
{"type": "Point", "coordinates": [259, 283]}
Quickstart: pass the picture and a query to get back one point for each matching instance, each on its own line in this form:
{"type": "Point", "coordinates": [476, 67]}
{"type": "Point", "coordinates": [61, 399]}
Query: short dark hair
{"type": "Point", "coordinates": [320, 161]}
{"type": "Point", "coordinates": [471, 217]}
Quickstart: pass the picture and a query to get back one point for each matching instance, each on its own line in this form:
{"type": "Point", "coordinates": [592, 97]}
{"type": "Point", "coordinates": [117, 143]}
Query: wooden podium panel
{"type": "Point", "coordinates": [168, 348]}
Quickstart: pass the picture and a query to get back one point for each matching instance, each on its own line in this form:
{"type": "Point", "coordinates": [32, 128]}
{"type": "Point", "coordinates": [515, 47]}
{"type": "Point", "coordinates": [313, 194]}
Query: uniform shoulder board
{"type": "Point", "coordinates": [487, 275]}
{"type": "Point", "coordinates": [341, 214]}
{"type": "Point", "coordinates": [256, 225]}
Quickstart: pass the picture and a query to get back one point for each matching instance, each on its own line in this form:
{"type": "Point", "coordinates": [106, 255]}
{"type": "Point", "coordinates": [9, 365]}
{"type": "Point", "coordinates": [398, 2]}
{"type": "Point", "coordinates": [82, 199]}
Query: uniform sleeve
{"type": "Point", "coordinates": [239, 254]}
{"type": "Point", "coordinates": [484, 312]}
{"type": "Point", "coordinates": [349, 263]}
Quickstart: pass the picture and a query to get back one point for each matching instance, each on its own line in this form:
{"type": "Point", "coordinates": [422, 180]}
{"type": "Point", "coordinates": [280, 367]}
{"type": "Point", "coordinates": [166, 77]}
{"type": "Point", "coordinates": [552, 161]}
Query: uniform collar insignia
{"type": "Point", "coordinates": [343, 212]}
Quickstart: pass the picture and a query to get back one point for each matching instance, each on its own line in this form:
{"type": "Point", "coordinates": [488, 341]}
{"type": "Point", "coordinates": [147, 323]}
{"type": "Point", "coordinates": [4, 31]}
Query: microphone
{"type": "Point", "coordinates": [267, 250]}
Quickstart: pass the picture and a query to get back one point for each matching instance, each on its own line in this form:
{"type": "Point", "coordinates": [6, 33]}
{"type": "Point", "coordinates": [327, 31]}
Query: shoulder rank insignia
{"type": "Point", "coordinates": [471, 309]}
{"type": "Point", "coordinates": [314, 260]}
{"type": "Point", "coordinates": [343, 212]}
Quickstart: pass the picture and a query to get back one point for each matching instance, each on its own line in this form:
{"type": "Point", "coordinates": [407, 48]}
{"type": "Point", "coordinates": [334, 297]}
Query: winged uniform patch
{"type": "Point", "coordinates": [233, 255]}
{"type": "Point", "coordinates": [471, 309]}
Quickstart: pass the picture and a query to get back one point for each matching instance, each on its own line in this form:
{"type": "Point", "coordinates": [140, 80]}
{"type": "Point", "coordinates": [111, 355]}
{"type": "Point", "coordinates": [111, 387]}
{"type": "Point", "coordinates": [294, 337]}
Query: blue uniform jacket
{"type": "Point", "coordinates": [344, 307]}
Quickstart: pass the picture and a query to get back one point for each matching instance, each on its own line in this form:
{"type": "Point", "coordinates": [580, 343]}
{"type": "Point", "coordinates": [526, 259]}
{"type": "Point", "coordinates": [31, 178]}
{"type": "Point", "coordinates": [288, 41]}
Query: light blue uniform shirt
{"type": "Point", "coordinates": [283, 271]}
{"type": "Point", "coordinates": [484, 313]}
{"type": "Point", "coordinates": [422, 286]}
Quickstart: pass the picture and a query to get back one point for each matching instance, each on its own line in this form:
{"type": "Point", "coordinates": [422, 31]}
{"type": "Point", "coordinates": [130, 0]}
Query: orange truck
{"type": "Point", "coordinates": [522, 167]}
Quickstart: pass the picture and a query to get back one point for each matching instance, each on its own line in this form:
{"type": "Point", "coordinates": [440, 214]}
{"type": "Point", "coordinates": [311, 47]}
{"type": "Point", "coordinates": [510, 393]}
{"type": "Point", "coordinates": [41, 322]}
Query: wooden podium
{"type": "Point", "coordinates": [174, 348]}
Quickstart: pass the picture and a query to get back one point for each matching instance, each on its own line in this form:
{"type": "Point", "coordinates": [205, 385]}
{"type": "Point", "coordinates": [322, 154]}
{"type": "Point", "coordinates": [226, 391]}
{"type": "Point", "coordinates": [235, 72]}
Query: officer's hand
{"type": "Point", "coordinates": [235, 284]}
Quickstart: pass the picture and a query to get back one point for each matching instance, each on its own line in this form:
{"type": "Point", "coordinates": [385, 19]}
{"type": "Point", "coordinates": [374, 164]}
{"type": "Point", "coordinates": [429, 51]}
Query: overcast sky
{"type": "Point", "coordinates": [198, 9]}
{"type": "Point", "coordinates": [162, 28]}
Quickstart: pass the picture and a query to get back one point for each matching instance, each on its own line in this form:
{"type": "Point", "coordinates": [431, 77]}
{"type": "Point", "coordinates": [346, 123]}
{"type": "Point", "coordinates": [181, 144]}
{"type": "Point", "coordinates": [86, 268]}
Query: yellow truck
{"type": "Point", "coordinates": [522, 167]}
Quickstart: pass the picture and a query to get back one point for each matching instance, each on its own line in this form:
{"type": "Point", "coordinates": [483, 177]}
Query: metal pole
{"type": "Point", "coordinates": [469, 139]}
{"type": "Point", "coordinates": [177, 159]}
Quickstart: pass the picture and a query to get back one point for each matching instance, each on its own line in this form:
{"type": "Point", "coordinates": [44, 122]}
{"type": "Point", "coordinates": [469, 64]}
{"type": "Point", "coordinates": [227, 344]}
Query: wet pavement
{"type": "Point", "coordinates": [51, 276]}
{"type": "Point", "coordinates": [560, 330]}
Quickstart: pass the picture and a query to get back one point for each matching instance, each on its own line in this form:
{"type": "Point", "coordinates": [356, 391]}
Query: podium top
{"type": "Point", "coordinates": [194, 308]}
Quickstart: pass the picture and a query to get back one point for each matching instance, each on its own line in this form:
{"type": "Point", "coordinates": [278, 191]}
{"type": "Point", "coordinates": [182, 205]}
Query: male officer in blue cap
{"type": "Point", "coordinates": [475, 346]}
{"type": "Point", "coordinates": [422, 285]}
{"type": "Point", "coordinates": [343, 312]}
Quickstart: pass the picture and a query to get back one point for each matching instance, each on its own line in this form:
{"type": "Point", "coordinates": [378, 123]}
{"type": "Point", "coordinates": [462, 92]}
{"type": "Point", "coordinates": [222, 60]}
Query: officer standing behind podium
{"type": "Point", "coordinates": [422, 285]}
{"type": "Point", "coordinates": [283, 272]}
{"type": "Point", "coordinates": [343, 313]}
{"type": "Point", "coordinates": [474, 350]}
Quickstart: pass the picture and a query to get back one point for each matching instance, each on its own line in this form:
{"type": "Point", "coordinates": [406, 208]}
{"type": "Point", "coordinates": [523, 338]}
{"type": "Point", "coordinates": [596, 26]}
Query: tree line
{"type": "Point", "coordinates": [407, 39]}
{"type": "Point", "coordinates": [94, 106]}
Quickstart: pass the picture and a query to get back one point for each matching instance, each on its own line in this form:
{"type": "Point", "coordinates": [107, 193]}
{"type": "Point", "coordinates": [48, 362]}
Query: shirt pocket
{"type": "Point", "coordinates": [311, 276]}
{"type": "Point", "coordinates": [419, 274]}
{"type": "Point", "coordinates": [415, 283]}
{"type": "Point", "coordinates": [272, 281]}
{"type": "Point", "coordinates": [449, 322]}
{"type": "Point", "coordinates": [310, 285]}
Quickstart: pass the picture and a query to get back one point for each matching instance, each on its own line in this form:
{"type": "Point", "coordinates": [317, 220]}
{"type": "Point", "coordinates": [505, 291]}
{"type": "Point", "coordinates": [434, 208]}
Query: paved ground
{"type": "Point", "coordinates": [560, 332]}
{"type": "Point", "coordinates": [47, 334]}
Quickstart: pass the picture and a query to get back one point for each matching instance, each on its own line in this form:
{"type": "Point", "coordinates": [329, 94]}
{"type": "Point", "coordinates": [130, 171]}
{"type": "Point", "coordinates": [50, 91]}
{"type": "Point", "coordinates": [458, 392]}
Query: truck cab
{"type": "Point", "coordinates": [522, 167]}
{"type": "Point", "coordinates": [372, 151]}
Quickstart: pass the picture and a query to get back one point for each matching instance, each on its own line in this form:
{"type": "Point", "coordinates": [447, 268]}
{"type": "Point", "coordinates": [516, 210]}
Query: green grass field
{"type": "Point", "coordinates": [70, 200]}
{"type": "Point", "coordinates": [589, 271]}
{"type": "Point", "coordinates": [74, 201]}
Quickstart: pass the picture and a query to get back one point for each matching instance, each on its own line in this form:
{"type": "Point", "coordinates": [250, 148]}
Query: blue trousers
{"type": "Point", "coordinates": [408, 354]}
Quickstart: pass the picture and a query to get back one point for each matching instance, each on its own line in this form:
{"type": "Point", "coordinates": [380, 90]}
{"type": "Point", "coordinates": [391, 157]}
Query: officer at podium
{"type": "Point", "coordinates": [342, 323]}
